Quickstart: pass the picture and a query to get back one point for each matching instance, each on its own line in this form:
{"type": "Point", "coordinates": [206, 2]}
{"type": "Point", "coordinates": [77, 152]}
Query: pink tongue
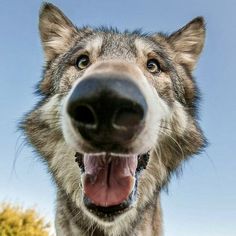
{"type": "Point", "coordinates": [109, 183]}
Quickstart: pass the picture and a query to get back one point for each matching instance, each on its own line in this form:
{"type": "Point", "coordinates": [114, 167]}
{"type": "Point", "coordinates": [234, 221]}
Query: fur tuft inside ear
{"type": "Point", "coordinates": [188, 42]}
{"type": "Point", "coordinates": [56, 31]}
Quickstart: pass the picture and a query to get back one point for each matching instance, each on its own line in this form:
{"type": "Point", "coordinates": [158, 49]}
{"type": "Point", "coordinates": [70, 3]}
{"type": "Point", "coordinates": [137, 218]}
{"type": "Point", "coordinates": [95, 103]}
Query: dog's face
{"type": "Point", "coordinates": [118, 113]}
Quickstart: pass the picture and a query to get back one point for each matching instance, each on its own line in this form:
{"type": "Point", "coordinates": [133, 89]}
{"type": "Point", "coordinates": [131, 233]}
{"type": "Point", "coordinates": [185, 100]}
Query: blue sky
{"type": "Point", "coordinates": [203, 200]}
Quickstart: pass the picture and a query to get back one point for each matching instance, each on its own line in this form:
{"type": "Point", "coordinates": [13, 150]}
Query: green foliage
{"type": "Point", "coordinates": [15, 221]}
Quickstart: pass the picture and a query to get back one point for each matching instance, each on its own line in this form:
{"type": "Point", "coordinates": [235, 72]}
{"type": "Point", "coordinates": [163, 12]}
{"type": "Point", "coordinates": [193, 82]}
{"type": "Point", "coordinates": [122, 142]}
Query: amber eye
{"type": "Point", "coordinates": [82, 62]}
{"type": "Point", "coordinates": [153, 66]}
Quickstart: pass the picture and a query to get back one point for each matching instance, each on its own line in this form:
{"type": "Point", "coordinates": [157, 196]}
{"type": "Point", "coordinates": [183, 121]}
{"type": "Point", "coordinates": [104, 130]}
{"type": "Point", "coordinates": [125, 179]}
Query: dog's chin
{"type": "Point", "coordinates": [110, 181]}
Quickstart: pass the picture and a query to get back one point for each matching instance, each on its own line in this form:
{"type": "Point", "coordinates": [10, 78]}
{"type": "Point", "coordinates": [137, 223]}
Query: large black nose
{"type": "Point", "coordinates": [107, 109]}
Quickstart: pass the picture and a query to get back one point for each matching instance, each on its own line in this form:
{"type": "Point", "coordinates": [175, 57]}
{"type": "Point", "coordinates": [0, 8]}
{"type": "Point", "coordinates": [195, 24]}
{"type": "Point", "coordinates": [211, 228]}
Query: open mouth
{"type": "Point", "coordinates": [110, 181]}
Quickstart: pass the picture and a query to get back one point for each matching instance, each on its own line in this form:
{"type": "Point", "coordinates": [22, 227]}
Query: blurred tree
{"type": "Point", "coordinates": [15, 221]}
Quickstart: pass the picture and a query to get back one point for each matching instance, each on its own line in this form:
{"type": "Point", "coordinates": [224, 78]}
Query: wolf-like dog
{"type": "Point", "coordinates": [117, 117]}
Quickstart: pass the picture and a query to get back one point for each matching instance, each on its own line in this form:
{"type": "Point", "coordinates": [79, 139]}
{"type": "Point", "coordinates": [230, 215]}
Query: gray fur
{"type": "Point", "coordinates": [178, 134]}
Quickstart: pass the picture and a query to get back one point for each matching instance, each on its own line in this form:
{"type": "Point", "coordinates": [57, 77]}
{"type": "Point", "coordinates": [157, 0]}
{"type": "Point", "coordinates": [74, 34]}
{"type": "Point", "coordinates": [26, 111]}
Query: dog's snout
{"type": "Point", "coordinates": [107, 109]}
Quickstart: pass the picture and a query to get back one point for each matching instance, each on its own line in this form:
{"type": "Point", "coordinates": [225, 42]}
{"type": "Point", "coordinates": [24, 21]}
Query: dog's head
{"type": "Point", "coordinates": [118, 113]}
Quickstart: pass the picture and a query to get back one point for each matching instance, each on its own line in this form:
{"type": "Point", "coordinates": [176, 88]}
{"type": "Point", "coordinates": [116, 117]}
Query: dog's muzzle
{"type": "Point", "coordinates": [108, 111]}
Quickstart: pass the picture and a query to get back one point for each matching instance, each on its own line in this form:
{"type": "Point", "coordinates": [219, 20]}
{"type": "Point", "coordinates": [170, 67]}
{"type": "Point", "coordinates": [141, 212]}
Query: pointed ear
{"type": "Point", "coordinates": [56, 31]}
{"type": "Point", "coordinates": [188, 42]}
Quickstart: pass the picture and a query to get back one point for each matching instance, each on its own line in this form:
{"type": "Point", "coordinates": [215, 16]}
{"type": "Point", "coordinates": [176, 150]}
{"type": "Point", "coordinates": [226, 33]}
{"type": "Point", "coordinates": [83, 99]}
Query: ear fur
{"type": "Point", "coordinates": [56, 31]}
{"type": "Point", "coordinates": [188, 42]}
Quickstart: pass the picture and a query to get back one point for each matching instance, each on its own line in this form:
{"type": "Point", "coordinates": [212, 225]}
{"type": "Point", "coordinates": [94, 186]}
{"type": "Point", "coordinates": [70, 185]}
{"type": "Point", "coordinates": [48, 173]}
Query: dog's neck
{"type": "Point", "coordinates": [71, 221]}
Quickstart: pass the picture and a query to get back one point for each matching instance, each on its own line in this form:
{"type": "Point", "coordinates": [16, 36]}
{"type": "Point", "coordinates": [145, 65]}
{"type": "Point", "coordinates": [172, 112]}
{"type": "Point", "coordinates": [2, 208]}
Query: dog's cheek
{"type": "Point", "coordinates": [66, 171]}
{"type": "Point", "coordinates": [155, 175]}
{"type": "Point", "coordinates": [62, 161]}
{"type": "Point", "coordinates": [42, 126]}
{"type": "Point", "coordinates": [152, 179]}
{"type": "Point", "coordinates": [178, 120]}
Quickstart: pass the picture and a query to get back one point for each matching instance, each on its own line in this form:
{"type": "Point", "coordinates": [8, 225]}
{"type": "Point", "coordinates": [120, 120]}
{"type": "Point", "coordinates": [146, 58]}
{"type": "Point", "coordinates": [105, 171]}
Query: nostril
{"type": "Point", "coordinates": [84, 114]}
{"type": "Point", "coordinates": [128, 117]}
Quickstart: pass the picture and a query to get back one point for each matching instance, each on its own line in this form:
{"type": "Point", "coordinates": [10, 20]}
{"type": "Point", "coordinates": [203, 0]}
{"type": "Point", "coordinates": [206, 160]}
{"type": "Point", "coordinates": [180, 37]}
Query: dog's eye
{"type": "Point", "coordinates": [82, 62]}
{"type": "Point", "coordinates": [153, 66]}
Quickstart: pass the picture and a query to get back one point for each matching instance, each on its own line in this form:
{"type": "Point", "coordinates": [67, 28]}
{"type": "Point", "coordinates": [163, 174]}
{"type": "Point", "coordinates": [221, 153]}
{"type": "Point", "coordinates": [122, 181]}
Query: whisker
{"type": "Point", "coordinates": [18, 149]}
{"type": "Point", "coordinates": [175, 141]}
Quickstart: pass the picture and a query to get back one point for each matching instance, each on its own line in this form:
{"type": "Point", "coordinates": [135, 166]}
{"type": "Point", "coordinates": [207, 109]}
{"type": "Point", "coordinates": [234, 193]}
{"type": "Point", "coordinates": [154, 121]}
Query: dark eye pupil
{"type": "Point", "coordinates": [153, 66]}
{"type": "Point", "coordinates": [82, 62]}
